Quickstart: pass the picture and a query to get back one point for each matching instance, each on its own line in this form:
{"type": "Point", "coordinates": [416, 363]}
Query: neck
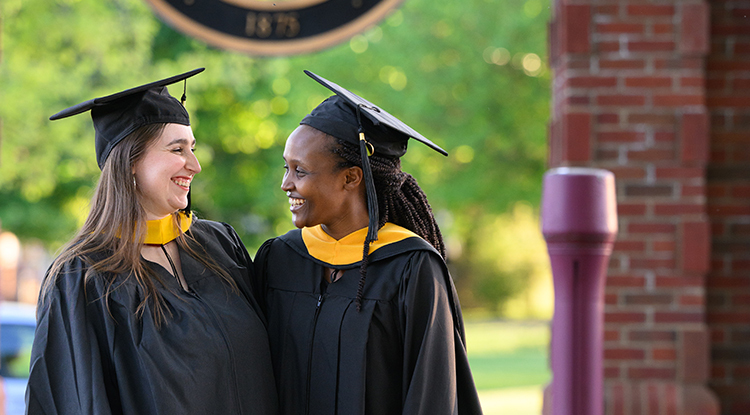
{"type": "Point", "coordinates": [339, 231]}
{"type": "Point", "coordinates": [354, 219]}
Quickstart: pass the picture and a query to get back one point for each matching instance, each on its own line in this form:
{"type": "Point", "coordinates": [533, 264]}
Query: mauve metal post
{"type": "Point", "coordinates": [579, 223]}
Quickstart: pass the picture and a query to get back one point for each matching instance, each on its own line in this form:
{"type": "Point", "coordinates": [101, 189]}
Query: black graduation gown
{"type": "Point", "coordinates": [92, 356]}
{"type": "Point", "coordinates": [404, 353]}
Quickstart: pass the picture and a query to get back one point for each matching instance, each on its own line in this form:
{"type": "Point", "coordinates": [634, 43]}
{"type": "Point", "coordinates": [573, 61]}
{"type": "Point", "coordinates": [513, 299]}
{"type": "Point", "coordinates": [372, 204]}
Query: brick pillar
{"type": "Point", "coordinates": [728, 99]}
{"type": "Point", "coordinates": [629, 96]}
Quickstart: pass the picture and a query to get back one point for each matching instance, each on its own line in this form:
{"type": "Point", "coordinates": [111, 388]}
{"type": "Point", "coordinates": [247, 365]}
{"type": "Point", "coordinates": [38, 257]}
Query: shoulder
{"type": "Point", "coordinates": [67, 280]}
{"type": "Point", "coordinates": [415, 261]}
{"type": "Point", "coordinates": [411, 262]}
{"type": "Point", "coordinates": [290, 240]}
{"type": "Point", "coordinates": [407, 248]}
{"type": "Point", "coordinates": [427, 280]}
{"type": "Point", "coordinates": [215, 234]}
{"type": "Point", "coordinates": [282, 255]}
{"type": "Point", "coordinates": [220, 242]}
{"type": "Point", "coordinates": [68, 272]}
{"type": "Point", "coordinates": [212, 229]}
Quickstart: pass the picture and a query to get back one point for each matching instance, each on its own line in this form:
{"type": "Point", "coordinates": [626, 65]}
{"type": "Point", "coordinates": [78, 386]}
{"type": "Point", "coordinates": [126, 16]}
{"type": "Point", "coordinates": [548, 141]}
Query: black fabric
{"type": "Point", "coordinates": [117, 115]}
{"type": "Point", "coordinates": [403, 353]}
{"type": "Point", "coordinates": [346, 114]}
{"type": "Point", "coordinates": [92, 356]}
{"type": "Point", "coordinates": [336, 117]}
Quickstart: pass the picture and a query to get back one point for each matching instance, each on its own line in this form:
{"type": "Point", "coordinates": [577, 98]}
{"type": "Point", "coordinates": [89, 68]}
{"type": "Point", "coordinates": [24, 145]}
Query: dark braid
{"type": "Point", "coordinates": [400, 201]}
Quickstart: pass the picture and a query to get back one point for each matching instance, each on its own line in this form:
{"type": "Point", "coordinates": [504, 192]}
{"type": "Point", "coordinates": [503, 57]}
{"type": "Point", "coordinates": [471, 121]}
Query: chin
{"type": "Point", "coordinates": [178, 206]}
{"type": "Point", "coordinates": [299, 223]}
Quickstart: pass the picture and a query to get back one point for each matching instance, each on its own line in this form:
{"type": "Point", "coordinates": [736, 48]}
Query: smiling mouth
{"type": "Point", "coordinates": [295, 202]}
{"type": "Point", "coordinates": [182, 183]}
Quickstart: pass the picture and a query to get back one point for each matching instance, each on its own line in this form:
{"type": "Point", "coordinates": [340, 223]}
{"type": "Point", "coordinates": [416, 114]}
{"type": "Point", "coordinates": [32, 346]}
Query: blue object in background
{"type": "Point", "coordinates": [17, 324]}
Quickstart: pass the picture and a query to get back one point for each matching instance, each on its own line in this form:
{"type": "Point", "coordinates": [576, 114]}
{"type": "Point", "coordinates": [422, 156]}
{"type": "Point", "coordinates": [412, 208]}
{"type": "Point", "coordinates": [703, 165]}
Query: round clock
{"type": "Point", "coordinates": [273, 27]}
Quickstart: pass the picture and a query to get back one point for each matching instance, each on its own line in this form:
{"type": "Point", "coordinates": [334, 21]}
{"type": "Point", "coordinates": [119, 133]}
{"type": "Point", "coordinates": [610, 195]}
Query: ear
{"type": "Point", "coordinates": [353, 177]}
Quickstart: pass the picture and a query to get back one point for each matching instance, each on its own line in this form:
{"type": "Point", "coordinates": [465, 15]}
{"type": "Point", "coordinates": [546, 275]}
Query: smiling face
{"type": "Point", "coordinates": [164, 173]}
{"type": "Point", "coordinates": [319, 191]}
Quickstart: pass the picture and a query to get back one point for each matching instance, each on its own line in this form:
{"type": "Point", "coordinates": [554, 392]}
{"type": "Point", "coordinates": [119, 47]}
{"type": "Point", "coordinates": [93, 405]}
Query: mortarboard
{"type": "Point", "coordinates": [352, 118]}
{"type": "Point", "coordinates": [341, 114]}
{"type": "Point", "coordinates": [117, 115]}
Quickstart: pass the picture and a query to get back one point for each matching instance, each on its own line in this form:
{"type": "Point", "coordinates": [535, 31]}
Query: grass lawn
{"type": "Point", "coordinates": [509, 361]}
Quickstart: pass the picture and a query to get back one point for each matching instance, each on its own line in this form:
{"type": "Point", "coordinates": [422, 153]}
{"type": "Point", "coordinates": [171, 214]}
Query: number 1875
{"type": "Point", "coordinates": [263, 25]}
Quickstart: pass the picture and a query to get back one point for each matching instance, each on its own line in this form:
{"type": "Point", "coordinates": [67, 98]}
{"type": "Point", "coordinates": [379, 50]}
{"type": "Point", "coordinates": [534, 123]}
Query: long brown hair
{"type": "Point", "coordinates": [110, 241]}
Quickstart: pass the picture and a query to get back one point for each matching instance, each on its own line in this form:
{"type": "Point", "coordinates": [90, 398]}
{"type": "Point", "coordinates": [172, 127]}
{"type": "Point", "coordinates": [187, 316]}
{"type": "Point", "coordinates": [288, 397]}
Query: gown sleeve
{"type": "Point", "coordinates": [437, 378]}
{"type": "Point", "coordinates": [260, 277]}
{"type": "Point", "coordinates": [240, 252]}
{"type": "Point", "coordinates": [257, 289]}
{"type": "Point", "coordinates": [67, 373]}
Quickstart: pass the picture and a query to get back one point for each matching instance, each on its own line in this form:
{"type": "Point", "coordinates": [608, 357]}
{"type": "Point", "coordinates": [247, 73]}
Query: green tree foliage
{"type": "Point", "coordinates": [469, 75]}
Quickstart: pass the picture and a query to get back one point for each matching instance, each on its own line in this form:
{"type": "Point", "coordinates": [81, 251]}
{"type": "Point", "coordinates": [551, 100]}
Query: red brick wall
{"type": "Point", "coordinates": [728, 180]}
{"type": "Point", "coordinates": [629, 95]}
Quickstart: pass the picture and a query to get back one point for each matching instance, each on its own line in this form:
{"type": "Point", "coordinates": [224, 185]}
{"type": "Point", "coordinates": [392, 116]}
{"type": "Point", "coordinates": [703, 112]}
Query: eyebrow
{"type": "Point", "coordinates": [179, 141]}
{"type": "Point", "coordinates": [299, 164]}
{"type": "Point", "coordinates": [295, 161]}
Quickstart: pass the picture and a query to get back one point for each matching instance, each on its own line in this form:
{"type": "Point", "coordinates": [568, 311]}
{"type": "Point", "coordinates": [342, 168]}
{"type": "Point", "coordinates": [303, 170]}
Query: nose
{"type": "Point", "coordinates": [286, 183]}
{"type": "Point", "coordinates": [193, 164]}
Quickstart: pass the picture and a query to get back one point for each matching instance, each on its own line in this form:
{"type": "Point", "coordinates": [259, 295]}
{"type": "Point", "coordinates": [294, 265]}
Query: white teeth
{"type": "Point", "coordinates": [183, 183]}
{"type": "Point", "coordinates": [296, 202]}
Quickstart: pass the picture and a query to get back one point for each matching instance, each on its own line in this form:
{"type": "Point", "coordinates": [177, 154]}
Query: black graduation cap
{"type": "Point", "coordinates": [117, 115]}
{"type": "Point", "coordinates": [342, 112]}
{"type": "Point", "coordinates": [378, 132]}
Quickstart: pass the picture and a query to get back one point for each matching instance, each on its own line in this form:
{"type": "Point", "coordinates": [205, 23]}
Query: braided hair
{"type": "Point", "coordinates": [400, 201]}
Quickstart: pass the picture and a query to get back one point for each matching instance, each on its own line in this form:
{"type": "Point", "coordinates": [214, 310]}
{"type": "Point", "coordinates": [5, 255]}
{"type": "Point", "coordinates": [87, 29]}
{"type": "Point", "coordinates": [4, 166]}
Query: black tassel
{"type": "Point", "coordinates": [372, 197]}
{"type": "Point", "coordinates": [184, 93]}
{"type": "Point", "coordinates": [362, 276]}
{"type": "Point", "coordinates": [372, 211]}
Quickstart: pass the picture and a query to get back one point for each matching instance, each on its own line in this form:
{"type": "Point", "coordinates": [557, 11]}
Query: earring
{"type": "Point", "coordinates": [134, 183]}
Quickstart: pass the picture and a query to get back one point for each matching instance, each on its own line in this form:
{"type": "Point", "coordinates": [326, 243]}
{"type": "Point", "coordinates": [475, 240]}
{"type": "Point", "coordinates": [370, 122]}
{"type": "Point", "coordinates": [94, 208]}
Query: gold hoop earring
{"type": "Point", "coordinates": [134, 183]}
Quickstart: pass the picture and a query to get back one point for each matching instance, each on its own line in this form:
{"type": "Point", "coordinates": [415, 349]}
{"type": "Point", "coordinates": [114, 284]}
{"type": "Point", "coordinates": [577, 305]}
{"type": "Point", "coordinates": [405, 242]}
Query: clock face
{"type": "Point", "coordinates": [272, 27]}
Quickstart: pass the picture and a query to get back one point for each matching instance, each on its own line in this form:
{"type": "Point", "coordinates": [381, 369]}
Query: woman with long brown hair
{"type": "Point", "coordinates": [362, 314]}
{"type": "Point", "coordinates": [148, 309]}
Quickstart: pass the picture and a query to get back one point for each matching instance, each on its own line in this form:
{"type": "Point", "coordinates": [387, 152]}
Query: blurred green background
{"type": "Point", "coordinates": [509, 362]}
{"type": "Point", "coordinates": [472, 76]}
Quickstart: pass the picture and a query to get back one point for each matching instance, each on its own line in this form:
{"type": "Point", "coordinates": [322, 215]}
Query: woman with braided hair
{"type": "Point", "coordinates": [362, 314]}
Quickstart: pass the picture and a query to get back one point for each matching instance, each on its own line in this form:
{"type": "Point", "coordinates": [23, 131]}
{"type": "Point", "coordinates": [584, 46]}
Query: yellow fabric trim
{"type": "Point", "coordinates": [162, 231]}
{"type": "Point", "coordinates": [348, 249]}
